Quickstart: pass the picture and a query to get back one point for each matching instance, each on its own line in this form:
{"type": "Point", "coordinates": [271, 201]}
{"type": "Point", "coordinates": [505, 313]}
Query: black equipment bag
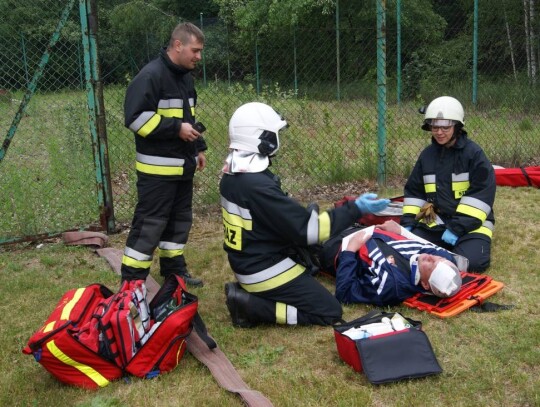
{"type": "Point", "coordinates": [401, 355]}
{"type": "Point", "coordinates": [387, 357]}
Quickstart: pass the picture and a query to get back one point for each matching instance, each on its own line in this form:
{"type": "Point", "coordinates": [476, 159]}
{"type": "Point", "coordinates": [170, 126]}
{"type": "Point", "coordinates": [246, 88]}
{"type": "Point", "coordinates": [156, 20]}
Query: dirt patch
{"type": "Point", "coordinates": [334, 192]}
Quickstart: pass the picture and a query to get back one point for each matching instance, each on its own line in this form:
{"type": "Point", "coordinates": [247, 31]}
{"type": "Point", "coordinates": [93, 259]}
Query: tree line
{"type": "Point", "coordinates": [435, 41]}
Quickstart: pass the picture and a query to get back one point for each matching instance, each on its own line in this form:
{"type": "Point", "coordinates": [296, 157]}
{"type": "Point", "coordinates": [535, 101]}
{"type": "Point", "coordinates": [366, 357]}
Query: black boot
{"type": "Point", "coordinates": [177, 265]}
{"type": "Point", "coordinates": [190, 280]}
{"type": "Point", "coordinates": [237, 303]}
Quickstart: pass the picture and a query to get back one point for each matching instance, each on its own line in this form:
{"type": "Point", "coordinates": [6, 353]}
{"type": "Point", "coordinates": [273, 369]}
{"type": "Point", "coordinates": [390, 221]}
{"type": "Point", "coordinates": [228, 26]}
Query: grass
{"type": "Point", "coordinates": [489, 359]}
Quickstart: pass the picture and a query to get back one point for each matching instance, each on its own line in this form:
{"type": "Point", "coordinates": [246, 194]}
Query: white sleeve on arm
{"type": "Point", "coordinates": [345, 241]}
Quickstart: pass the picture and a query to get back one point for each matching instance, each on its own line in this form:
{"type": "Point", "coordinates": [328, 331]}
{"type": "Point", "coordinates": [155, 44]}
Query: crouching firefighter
{"type": "Point", "coordinates": [263, 226]}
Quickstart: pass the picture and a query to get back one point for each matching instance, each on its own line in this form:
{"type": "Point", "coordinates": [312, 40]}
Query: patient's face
{"type": "Point", "coordinates": [426, 264]}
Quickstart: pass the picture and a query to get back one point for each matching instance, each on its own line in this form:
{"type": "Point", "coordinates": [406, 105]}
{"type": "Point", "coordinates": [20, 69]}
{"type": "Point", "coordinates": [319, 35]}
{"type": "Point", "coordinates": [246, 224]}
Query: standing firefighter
{"type": "Point", "coordinates": [266, 230]}
{"type": "Point", "coordinates": [450, 193]}
{"type": "Point", "coordinates": [160, 110]}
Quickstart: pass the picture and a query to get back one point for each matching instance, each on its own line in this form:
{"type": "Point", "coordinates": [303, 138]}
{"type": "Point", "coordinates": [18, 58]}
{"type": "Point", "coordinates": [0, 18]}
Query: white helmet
{"type": "Point", "coordinates": [254, 127]}
{"type": "Point", "coordinates": [444, 108]}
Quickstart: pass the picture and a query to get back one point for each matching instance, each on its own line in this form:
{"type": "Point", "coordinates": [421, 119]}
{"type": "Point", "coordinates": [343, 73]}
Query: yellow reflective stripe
{"type": "Point", "coordinates": [437, 221]}
{"type": "Point", "coordinates": [324, 227]}
{"type": "Point", "coordinates": [139, 264]}
{"type": "Point", "coordinates": [281, 313]}
{"type": "Point", "coordinates": [474, 212]}
{"type": "Point", "coordinates": [49, 326]}
{"type": "Point", "coordinates": [170, 252]}
{"type": "Point", "coordinates": [276, 281]}
{"type": "Point", "coordinates": [149, 126]}
{"type": "Point", "coordinates": [483, 230]}
{"type": "Point", "coordinates": [413, 210]}
{"type": "Point", "coordinates": [69, 306]}
{"type": "Point", "coordinates": [233, 235]}
{"type": "Point", "coordinates": [431, 225]}
{"type": "Point", "coordinates": [179, 351]}
{"type": "Point", "coordinates": [460, 186]}
{"type": "Point", "coordinates": [159, 169]}
{"type": "Point", "coordinates": [178, 113]}
{"type": "Point", "coordinates": [236, 220]}
{"type": "Point", "coordinates": [193, 111]}
{"type": "Point", "coordinates": [88, 371]}
{"type": "Point", "coordinates": [430, 188]}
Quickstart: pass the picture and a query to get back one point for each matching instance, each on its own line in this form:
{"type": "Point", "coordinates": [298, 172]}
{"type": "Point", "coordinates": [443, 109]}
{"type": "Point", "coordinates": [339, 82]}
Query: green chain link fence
{"type": "Point", "coordinates": [47, 174]}
{"type": "Point", "coordinates": [345, 80]}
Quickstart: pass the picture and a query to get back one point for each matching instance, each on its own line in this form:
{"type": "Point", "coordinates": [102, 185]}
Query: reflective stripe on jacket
{"type": "Point", "coordinates": [459, 181]}
{"type": "Point", "coordinates": [158, 100]}
{"type": "Point", "coordinates": [262, 225]}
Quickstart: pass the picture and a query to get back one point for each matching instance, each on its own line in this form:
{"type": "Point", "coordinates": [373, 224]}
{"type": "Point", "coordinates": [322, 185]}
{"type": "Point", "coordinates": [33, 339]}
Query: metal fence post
{"type": "Point", "coordinates": [398, 52]}
{"type": "Point", "coordinates": [295, 62]}
{"type": "Point", "coordinates": [475, 54]}
{"type": "Point", "coordinates": [203, 58]}
{"type": "Point", "coordinates": [257, 73]}
{"type": "Point", "coordinates": [338, 81]}
{"type": "Point", "coordinates": [228, 54]}
{"type": "Point", "coordinates": [381, 90]}
{"type": "Point", "coordinates": [96, 112]}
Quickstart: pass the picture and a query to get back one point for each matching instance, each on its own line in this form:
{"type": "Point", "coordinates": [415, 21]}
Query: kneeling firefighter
{"type": "Point", "coordinates": [264, 228]}
{"type": "Point", "coordinates": [450, 192]}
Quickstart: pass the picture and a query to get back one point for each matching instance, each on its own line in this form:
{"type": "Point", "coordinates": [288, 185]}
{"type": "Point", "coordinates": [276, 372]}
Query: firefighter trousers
{"type": "Point", "coordinates": [302, 301]}
{"type": "Point", "coordinates": [163, 218]}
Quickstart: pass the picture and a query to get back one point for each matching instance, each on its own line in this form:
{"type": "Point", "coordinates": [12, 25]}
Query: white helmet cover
{"type": "Point", "coordinates": [254, 127]}
{"type": "Point", "coordinates": [444, 108]}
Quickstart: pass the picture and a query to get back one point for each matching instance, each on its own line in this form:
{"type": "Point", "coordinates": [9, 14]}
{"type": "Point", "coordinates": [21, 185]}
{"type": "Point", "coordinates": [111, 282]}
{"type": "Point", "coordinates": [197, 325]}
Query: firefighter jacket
{"type": "Point", "coordinates": [373, 277]}
{"type": "Point", "coordinates": [262, 224]}
{"type": "Point", "coordinates": [459, 181]}
{"type": "Point", "coordinates": [160, 97]}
